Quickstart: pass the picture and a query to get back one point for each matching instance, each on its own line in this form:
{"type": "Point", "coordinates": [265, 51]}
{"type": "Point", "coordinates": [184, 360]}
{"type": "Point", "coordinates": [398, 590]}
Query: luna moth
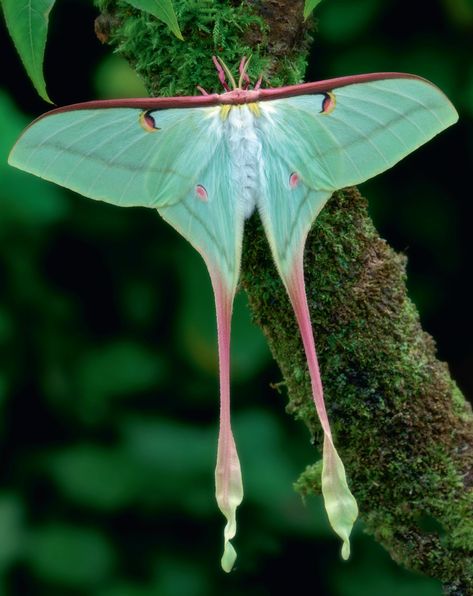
{"type": "Point", "coordinates": [207, 162]}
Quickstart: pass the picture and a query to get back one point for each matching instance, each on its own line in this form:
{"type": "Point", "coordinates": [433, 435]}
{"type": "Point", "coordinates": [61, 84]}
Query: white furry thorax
{"type": "Point", "coordinates": [245, 151]}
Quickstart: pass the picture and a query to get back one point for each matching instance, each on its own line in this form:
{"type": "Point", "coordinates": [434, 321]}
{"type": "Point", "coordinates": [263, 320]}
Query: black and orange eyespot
{"type": "Point", "coordinates": [328, 103]}
{"type": "Point", "coordinates": [148, 121]}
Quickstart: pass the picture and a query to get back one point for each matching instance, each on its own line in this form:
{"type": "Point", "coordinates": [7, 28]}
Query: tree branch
{"type": "Point", "coordinates": [402, 427]}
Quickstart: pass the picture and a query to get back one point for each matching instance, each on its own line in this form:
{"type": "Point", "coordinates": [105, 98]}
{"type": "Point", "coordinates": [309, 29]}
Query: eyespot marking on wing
{"type": "Point", "coordinates": [328, 103]}
{"type": "Point", "coordinates": [294, 180]}
{"type": "Point", "coordinates": [148, 122]}
{"type": "Point", "coordinates": [201, 193]}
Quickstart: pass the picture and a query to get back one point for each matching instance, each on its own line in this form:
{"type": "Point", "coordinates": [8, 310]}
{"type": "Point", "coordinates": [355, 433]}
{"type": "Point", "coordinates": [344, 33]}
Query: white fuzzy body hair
{"type": "Point", "coordinates": [245, 151]}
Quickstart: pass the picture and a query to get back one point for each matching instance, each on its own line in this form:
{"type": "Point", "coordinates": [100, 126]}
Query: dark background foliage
{"type": "Point", "coordinates": [108, 386]}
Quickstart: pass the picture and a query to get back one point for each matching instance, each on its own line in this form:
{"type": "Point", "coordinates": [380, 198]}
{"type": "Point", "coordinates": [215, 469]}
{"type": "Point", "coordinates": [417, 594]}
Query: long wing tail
{"type": "Point", "coordinates": [340, 504]}
{"type": "Point", "coordinates": [288, 209]}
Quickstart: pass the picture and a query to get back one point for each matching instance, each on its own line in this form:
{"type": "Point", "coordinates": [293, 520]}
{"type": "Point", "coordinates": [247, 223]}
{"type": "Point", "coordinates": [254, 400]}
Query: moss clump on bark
{"type": "Point", "coordinates": [169, 66]}
{"type": "Point", "coordinates": [402, 426]}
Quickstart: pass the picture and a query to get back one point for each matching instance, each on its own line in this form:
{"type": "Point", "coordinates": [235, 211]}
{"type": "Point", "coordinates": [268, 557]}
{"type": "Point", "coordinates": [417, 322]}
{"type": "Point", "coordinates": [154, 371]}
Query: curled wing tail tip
{"type": "Point", "coordinates": [228, 558]}
{"type": "Point", "coordinates": [340, 504]}
{"type": "Point", "coordinates": [346, 549]}
{"type": "Point", "coordinates": [228, 492]}
{"type": "Point", "coordinates": [229, 553]}
{"type": "Point", "coordinates": [343, 527]}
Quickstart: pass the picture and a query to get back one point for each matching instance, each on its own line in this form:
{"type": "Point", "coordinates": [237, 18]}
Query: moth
{"type": "Point", "coordinates": [207, 162]}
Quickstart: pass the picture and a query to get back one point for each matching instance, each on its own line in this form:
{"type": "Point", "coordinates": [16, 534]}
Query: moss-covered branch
{"type": "Point", "coordinates": [402, 426]}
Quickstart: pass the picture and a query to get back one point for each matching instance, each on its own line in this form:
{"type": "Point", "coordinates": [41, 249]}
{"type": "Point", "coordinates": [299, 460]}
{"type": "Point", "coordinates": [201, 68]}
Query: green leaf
{"type": "Point", "coordinates": [309, 7]}
{"type": "Point", "coordinates": [27, 22]}
{"type": "Point", "coordinates": [162, 10]}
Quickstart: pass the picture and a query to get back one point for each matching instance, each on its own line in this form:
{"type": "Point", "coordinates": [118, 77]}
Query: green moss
{"type": "Point", "coordinates": [310, 480]}
{"type": "Point", "coordinates": [169, 66]}
{"type": "Point", "coordinates": [459, 405]}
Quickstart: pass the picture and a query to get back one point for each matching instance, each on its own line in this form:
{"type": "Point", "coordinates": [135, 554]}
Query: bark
{"type": "Point", "coordinates": [402, 426]}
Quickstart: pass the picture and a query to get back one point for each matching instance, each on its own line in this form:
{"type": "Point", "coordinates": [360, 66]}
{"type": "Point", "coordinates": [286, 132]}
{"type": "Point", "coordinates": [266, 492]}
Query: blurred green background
{"type": "Point", "coordinates": [108, 379]}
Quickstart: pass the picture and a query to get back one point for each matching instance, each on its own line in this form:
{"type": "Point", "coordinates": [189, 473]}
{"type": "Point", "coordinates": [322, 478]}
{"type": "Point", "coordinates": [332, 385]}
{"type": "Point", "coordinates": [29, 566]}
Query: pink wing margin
{"type": "Point", "coordinates": [236, 97]}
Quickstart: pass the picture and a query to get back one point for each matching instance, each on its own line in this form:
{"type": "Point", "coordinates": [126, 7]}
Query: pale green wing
{"type": "Point", "coordinates": [177, 161]}
{"type": "Point", "coordinates": [287, 207]}
{"type": "Point", "coordinates": [125, 156]}
{"type": "Point", "coordinates": [344, 137]}
{"type": "Point", "coordinates": [210, 217]}
{"type": "Point", "coordinates": [313, 145]}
